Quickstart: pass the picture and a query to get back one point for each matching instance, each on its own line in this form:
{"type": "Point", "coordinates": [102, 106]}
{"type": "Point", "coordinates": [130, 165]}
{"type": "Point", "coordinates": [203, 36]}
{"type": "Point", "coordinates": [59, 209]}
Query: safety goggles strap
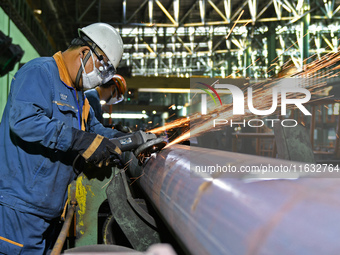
{"type": "Point", "coordinates": [81, 68]}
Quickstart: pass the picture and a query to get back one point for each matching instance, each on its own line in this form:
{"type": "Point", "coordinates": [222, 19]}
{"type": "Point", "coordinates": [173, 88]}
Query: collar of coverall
{"type": "Point", "coordinates": [65, 77]}
{"type": "Point", "coordinates": [99, 92]}
{"type": "Point", "coordinates": [63, 73]}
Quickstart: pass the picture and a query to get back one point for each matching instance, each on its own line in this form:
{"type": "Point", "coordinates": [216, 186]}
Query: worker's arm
{"type": "Point", "coordinates": [95, 126]}
{"type": "Point", "coordinates": [95, 148]}
{"type": "Point", "coordinates": [31, 114]}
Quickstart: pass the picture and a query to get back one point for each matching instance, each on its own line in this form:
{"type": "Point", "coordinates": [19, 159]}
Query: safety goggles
{"type": "Point", "coordinates": [117, 99]}
{"type": "Point", "coordinates": [106, 69]}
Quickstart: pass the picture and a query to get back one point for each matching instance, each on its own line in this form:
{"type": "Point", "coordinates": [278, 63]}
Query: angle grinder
{"type": "Point", "coordinates": [142, 144]}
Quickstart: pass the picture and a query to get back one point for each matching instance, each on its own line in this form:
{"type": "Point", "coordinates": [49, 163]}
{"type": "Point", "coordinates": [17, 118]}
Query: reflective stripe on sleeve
{"type": "Point", "coordinates": [11, 242]}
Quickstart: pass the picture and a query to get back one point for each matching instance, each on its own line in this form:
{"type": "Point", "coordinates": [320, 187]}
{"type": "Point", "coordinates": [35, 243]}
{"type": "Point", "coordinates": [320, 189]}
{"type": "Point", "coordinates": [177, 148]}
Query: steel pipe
{"type": "Point", "coordinates": [240, 215]}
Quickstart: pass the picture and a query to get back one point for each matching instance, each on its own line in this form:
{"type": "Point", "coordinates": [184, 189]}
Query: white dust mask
{"type": "Point", "coordinates": [93, 78]}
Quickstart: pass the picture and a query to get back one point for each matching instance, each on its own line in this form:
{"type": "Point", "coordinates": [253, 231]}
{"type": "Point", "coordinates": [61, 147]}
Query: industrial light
{"type": "Point", "coordinates": [165, 115]}
{"type": "Point", "coordinates": [173, 90]}
{"type": "Point", "coordinates": [153, 112]}
{"type": "Point", "coordinates": [164, 90]}
{"type": "Point", "coordinates": [37, 11]}
{"type": "Point", "coordinates": [184, 111]}
{"type": "Point", "coordinates": [125, 116]}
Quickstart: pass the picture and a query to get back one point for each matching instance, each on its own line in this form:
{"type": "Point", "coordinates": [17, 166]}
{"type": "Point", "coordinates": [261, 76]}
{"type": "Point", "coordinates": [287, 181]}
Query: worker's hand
{"type": "Point", "coordinates": [95, 148]}
{"type": "Point", "coordinates": [122, 128]}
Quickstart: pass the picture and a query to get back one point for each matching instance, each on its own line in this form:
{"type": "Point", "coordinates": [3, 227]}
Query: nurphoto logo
{"type": "Point", "coordinates": [282, 95]}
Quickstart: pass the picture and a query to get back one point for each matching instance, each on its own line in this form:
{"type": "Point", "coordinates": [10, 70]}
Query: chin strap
{"type": "Point", "coordinates": [81, 69]}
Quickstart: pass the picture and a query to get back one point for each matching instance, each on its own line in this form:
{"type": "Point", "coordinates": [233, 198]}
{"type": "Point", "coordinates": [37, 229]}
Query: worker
{"type": "Point", "coordinates": [46, 124]}
{"type": "Point", "coordinates": [111, 92]}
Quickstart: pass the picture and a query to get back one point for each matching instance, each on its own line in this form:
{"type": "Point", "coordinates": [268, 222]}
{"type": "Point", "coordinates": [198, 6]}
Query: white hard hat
{"type": "Point", "coordinates": [107, 39]}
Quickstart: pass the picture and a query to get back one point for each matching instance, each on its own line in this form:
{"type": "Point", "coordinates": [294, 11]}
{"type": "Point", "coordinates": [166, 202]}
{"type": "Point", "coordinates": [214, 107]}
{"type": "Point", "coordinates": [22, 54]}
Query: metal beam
{"type": "Point", "coordinates": [176, 10]}
{"type": "Point", "coordinates": [278, 8]}
{"type": "Point", "coordinates": [253, 9]}
{"type": "Point", "coordinates": [239, 9]}
{"type": "Point", "coordinates": [218, 11]}
{"type": "Point", "coordinates": [264, 9]}
{"type": "Point", "coordinates": [271, 47]}
{"type": "Point", "coordinates": [193, 6]}
{"type": "Point", "coordinates": [227, 9]}
{"type": "Point", "coordinates": [136, 11]}
{"type": "Point", "coordinates": [202, 10]}
{"type": "Point", "coordinates": [86, 11]}
{"type": "Point", "coordinates": [305, 35]}
{"type": "Point", "coordinates": [166, 12]}
{"type": "Point", "coordinates": [55, 13]}
{"type": "Point", "coordinates": [150, 8]}
{"type": "Point", "coordinates": [186, 47]}
{"type": "Point", "coordinates": [124, 12]}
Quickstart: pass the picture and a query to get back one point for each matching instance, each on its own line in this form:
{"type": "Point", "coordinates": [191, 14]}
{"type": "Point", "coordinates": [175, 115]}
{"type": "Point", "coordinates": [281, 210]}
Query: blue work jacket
{"type": "Point", "coordinates": [93, 96]}
{"type": "Point", "coordinates": [35, 137]}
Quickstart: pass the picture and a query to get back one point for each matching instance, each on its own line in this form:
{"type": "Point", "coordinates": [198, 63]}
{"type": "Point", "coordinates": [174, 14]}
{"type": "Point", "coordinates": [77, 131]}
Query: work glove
{"type": "Point", "coordinates": [95, 148]}
{"type": "Point", "coordinates": [122, 128]}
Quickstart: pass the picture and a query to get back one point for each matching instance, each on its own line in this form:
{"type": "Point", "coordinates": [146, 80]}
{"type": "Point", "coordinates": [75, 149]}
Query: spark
{"type": "Point", "coordinates": [234, 24]}
{"type": "Point", "coordinates": [106, 184]}
{"type": "Point", "coordinates": [121, 171]}
{"type": "Point", "coordinates": [170, 125]}
{"type": "Point", "coordinates": [317, 72]}
{"type": "Point", "coordinates": [262, 99]}
{"type": "Point", "coordinates": [136, 178]}
{"type": "Point", "coordinates": [172, 115]}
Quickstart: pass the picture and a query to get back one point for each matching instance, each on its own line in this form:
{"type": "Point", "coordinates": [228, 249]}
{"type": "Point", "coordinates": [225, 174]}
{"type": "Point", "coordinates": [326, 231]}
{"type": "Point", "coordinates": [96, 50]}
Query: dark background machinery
{"type": "Point", "coordinates": [10, 54]}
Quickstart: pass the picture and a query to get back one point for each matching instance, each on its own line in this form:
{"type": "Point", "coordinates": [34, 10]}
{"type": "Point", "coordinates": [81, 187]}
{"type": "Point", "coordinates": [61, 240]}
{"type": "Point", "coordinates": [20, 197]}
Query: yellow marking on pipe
{"type": "Point", "coordinates": [88, 188]}
{"type": "Point", "coordinates": [81, 199]}
{"type": "Point", "coordinates": [202, 188]}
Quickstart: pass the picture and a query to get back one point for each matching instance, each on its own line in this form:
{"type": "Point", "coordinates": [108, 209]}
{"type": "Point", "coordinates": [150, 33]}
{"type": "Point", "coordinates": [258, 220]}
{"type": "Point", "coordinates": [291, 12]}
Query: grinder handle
{"type": "Point", "coordinates": [128, 142]}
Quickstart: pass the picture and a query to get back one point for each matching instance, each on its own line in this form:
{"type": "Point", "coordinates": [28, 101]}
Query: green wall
{"type": "Point", "coordinates": [9, 29]}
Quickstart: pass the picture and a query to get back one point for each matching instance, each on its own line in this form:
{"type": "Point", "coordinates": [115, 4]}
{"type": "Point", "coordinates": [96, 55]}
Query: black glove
{"type": "Point", "coordinates": [95, 148]}
{"type": "Point", "coordinates": [122, 128]}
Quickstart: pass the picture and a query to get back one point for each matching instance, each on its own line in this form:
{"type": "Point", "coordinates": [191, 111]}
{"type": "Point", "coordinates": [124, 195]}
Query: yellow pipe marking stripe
{"type": "Point", "coordinates": [10, 241]}
{"type": "Point", "coordinates": [93, 147]}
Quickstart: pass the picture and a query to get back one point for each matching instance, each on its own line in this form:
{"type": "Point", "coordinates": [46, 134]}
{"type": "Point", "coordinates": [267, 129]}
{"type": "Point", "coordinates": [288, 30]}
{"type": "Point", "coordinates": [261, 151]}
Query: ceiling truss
{"type": "Point", "coordinates": [201, 37]}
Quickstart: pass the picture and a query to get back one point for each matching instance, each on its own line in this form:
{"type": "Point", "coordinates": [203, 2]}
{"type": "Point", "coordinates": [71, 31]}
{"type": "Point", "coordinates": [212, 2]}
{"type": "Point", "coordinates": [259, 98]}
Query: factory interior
{"type": "Point", "coordinates": [211, 174]}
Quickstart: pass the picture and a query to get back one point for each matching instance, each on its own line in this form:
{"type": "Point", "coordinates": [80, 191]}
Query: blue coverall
{"type": "Point", "coordinates": [35, 156]}
{"type": "Point", "coordinates": [93, 96]}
